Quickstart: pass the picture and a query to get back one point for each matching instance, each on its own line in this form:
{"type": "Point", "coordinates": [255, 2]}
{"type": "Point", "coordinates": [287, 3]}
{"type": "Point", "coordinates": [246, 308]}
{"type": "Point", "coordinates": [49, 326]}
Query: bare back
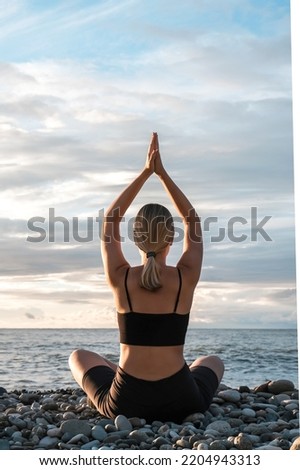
{"type": "Point", "coordinates": [146, 362]}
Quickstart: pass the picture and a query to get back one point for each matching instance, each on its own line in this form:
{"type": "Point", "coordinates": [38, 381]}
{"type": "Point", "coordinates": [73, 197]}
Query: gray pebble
{"type": "Point", "coordinates": [48, 442]}
{"type": "Point", "coordinates": [138, 435]}
{"type": "Point", "coordinates": [145, 446]}
{"type": "Point", "coordinates": [173, 434]}
{"type": "Point", "coordinates": [230, 395]}
{"type": "Point", "coordinates": [76, 426]}
{"type": "Point", "coordinates": [222, 427]}
{"type": "Point", "coordinates": [217, 445]}
{"type": "Point", "coordinates": [194, 417]}
{"type": "Point", "coordinates": [277, 399]}
{"type": "Point", "coordinates": [54, 432]}
{"type": "Point", "coordinates": [159, 441]}
{"type": "Point", "coordinates": [90, 445]}
{"type": "Point", "coordinates": [4, 444]}
{"type": "Point", "coordinates": [163, 429]}
{"type": "Point", "coordinates": [110, 428]}
{"type": "Point", "coordinates": [98, 433]}
{"type": "Point", "coordinates": [69, 415]}
{"type": "Point", "coordinates": [166, 447]}
{"type": "Point", "coordinates": [292, 406]}
{"type": "Point", "coordinates": [137, 422]}
{"type": "Point", "coordinates": [268, 447]}
{"type": "Point", "coordinates": [42, 422]}
{"type": "Point", "coordinates": [254, 439]}
{"type": "Point", "coordinates": [79, 437]}
{"type": "Point", "coordinates": [122, 423]}
{"type": "Point", "coordinates": [293, 433]}
{"type": "Point", "coordinates": [248, 412]}
{"type": "Point", "coordinates": [17, 437]}
{"type": "Point", "coordinates": [16, 421]}
{"type": "Point", "coordinates": [264, 406]}
{"type": "Point", "coordinates": [115, 436]}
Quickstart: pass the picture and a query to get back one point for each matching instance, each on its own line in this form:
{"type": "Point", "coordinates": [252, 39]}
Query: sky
{"type": "Point", "coordinates": [83, 85]}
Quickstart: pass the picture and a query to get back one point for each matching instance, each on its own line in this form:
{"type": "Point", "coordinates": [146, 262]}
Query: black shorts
{"type": "Point", "coordinates": [169, 399]}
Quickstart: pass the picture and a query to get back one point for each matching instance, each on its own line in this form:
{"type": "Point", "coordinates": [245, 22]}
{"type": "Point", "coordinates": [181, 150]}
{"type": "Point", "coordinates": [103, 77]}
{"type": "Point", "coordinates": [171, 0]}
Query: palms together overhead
{"type": "Point", "coordinates": [153, 161]}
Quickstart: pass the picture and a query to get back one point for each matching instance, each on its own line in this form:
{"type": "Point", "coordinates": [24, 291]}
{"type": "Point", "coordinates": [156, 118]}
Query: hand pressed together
{"type": "Point", "coordinates": [153, 162]}
{"type": "Point", "coordinates": [152, 150]}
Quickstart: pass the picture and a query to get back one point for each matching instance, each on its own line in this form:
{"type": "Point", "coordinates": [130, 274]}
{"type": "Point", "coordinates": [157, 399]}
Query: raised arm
{"type": "Point", "coordinates": [112, 255]}
{"type": "Point", "coordinates": [191, 259]}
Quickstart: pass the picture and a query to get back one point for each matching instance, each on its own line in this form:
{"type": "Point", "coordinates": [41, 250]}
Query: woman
{"type": "Point", "coordinates": [153, 301]}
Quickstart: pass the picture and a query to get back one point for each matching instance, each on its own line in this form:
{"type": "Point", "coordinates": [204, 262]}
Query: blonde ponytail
{"type": "Point", "coordinates": [153, 232]}
{"type": "Point", "coordinates": [150, 278]}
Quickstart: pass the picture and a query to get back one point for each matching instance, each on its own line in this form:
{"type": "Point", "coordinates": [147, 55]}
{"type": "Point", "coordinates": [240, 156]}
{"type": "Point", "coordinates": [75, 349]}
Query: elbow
{"type": "Point", "coordinates": [112, 215]}
{"type": "Point", "coordinates": [193, 217]}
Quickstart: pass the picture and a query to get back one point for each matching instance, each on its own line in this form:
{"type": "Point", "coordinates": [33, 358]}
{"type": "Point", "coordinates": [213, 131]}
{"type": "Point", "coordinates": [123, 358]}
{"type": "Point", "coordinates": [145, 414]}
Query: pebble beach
{"type": "Point", "coordinates": [263, 418]}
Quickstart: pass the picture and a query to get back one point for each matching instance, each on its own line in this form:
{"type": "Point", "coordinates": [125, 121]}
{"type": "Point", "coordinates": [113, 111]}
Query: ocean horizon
{"type": "Point", "coordinates": [114, 328]}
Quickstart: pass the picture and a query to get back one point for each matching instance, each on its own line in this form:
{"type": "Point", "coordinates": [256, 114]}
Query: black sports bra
{"type": "Point", "coordinates": [153, 329]}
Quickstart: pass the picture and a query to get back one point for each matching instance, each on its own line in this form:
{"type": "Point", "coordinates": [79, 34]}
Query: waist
{"type": "Point", "coordinates": [180, 373]}
{"type": "Point", "coordinates": [151, 362]}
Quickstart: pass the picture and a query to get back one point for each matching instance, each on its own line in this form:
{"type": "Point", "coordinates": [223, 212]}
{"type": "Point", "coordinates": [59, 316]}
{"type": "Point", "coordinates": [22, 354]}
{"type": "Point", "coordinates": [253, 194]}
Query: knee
{"type": "Point", "coordinates": [217, 366]}
{"type": "Point", "coordinates": [217, 360]}
{"type": "Point", "coordinates": [76, 357]}
{"type": "Point", "coordinates": [219, 363]}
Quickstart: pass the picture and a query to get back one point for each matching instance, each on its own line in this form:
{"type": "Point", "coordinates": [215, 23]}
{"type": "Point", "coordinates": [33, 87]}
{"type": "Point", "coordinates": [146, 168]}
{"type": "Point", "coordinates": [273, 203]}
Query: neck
{"type": "Point", "coordinates": [160, 258]}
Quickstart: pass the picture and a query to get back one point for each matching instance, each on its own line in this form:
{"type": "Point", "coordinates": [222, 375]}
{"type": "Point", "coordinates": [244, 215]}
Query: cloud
{"type": "Point", "coordinates": [30, 316]}
{"type": "Point", "coordinates": [253, 305]}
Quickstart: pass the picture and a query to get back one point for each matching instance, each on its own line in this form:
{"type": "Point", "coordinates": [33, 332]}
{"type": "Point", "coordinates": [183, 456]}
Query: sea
{"type": "Point", "coordinates": [37, 359]}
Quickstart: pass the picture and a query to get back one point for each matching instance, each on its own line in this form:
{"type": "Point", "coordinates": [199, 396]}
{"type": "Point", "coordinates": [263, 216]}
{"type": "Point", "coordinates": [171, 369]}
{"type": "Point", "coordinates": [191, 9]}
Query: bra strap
{"type": "Point", "coordinates": [179, 290]}
{"type": "Point", "coordinates": [127, 293]}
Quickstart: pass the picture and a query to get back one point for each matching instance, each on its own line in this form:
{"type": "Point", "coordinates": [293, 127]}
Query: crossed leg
{"type": "Point", "coordinates": [212, 362]}
{"type": "Point", "coordinates": [81, 360]}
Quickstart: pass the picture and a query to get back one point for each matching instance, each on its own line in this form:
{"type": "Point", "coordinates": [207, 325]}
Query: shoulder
{"type": "Point", "coordinates": [117, 277]}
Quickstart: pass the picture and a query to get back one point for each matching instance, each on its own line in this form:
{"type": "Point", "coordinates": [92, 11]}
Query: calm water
{"type": "Point", "coordinates": [38, 358]}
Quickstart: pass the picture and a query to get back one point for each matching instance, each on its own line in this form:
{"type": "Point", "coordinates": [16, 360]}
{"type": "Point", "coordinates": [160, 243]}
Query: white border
{"type": "Point", "coordinates": [177, 460]}
{"type": "Point", "coordinates": [295, 38]}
